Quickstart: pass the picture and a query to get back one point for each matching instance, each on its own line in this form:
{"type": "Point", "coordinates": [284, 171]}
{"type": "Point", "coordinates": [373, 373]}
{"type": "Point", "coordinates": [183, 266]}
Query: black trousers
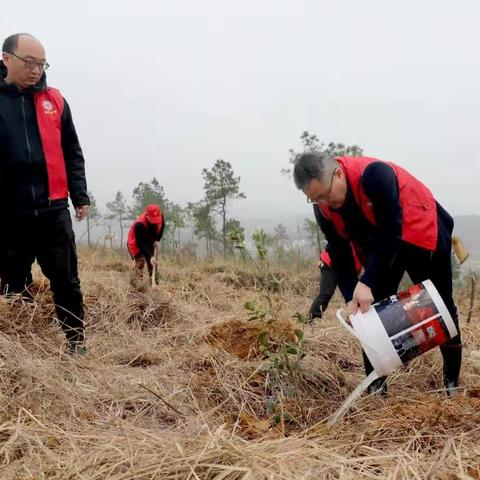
{"type": "Point", "coordinates": [49, 238]}
{"type": "Point", "coordinates": [328, 284]}
{"type": "Point", "coordinates": [140, 262]}
{"type": "Point", "coordinates": [421, 265]}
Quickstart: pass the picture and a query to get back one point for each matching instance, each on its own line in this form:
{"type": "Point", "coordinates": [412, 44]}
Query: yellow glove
{"type": "Point", "coordinates": [459, 248]}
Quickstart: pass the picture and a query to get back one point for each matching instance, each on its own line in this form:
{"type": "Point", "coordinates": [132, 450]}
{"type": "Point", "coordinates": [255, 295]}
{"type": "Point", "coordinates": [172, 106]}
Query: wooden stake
{"type": "Point", "coordinates": [154, 266]}
{"type": "Point", "coordinates": [472, 297]}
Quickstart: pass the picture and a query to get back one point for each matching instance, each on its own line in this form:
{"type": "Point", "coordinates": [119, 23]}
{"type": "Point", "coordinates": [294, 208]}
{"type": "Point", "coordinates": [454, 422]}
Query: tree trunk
{"type": "Point", "coordinates": [110, 236]}
{"type": "Point", "coordinates": [88, 232]}
{"type": "Point", "coordinates": [472, 297]}
{"type": "Point", "coordinates": [224, 229]}
{"type": "Point", "coordinates": [121, 235]}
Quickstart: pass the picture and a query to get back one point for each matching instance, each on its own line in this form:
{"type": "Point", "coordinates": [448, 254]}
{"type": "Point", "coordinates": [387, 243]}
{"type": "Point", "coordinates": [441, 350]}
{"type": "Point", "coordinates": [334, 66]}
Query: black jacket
{"type": "Point", "coordinates": [23, 171]}
{"type": "Point", "coordinates": [147, 236]}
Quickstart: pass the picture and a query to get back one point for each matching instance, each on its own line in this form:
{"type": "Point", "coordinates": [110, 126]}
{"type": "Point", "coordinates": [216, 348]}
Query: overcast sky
{"type": "Point", "coordinates": [164, 88]}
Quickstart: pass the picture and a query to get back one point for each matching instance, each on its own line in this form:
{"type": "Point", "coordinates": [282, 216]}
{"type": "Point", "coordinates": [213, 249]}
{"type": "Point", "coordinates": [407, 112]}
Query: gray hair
{"type": "Point", "coordinates": [310, 165]}
{"type": "Point", "coordinates": [10, 44]}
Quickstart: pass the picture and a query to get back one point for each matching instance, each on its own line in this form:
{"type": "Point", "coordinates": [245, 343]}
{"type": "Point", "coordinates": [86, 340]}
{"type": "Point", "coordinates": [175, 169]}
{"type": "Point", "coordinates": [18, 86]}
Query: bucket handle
{"type": "Point", "coordinates": [345, 323]}
{"type": "Point", "coordinates": [352, 331]}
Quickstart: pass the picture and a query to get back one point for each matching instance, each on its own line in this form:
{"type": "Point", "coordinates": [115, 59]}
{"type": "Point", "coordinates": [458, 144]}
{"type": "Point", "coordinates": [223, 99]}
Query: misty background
{"type": "Point", "coordinates": [164, 89]}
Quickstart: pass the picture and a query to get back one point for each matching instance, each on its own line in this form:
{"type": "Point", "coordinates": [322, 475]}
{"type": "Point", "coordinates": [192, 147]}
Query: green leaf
{"type": "Point", "coordinates": [292, 350]}
{"type": "Point", "coordinates": [299, 334]}
{"type": "Point", "coordinates": [300, 318]}
{"type": "Point", "coordinates": [250, 306]}
{"type": "Point", "coordinates": [263, 338]}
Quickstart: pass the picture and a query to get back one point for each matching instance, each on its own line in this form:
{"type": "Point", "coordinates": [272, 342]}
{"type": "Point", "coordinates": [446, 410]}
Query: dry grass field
{"type": "Point", "coordinates": [174, 386]}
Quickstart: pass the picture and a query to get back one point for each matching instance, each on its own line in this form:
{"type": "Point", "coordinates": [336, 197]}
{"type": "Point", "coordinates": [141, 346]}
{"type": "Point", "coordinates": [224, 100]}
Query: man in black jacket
{"type": "Point", "coordinates": [41, 163]}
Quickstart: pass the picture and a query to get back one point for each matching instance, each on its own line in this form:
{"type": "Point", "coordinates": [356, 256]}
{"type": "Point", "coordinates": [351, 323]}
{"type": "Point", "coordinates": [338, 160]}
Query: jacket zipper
{"type": "Point", "coordinates": [29, 148]}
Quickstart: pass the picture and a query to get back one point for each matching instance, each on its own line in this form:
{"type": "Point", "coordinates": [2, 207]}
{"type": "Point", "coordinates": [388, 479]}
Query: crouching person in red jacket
{"type": "Point", "coordinates": [143, 237]}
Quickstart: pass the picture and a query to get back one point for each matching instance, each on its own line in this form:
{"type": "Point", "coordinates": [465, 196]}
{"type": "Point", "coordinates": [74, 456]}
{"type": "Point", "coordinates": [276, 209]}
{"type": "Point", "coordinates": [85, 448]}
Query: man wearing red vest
{"type": "Point", "coordinates": [394, 224]}
{"type": "Point", "coordinates": [41, 163]}
{"type": "Point", "coordinates": [143, 237]}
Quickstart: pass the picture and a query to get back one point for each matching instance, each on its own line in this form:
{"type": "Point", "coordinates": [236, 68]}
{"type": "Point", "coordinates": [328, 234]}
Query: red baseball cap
{"type": "Point", "coordinates": [153, 214]}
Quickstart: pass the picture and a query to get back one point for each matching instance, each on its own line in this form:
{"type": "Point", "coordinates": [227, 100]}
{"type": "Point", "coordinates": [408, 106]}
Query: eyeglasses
{"type": "Point", "coordinates": [31, 64]}
{"type": "Point", "coordinates": [325, 198]}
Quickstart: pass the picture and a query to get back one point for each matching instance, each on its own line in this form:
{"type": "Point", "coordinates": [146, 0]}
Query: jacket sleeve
{"type": "Point", "coordinates": [74, 161]}
{"type": "Point", "coordinates": [341, 256]}
{"type": "Point", "coordinates": [381, 187]}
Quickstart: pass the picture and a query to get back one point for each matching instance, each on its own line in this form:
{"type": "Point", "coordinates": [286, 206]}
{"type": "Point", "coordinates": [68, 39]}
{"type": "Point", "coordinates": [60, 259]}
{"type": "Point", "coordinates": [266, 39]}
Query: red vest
{"type": "Point", "coordinates": [419, 210]}
{"type": "Point", "coordinates": [325, 258]}
{"type": "Point", "coordinates": [131, 240]}
{"type": "Point", "coordinates": [49, 109]}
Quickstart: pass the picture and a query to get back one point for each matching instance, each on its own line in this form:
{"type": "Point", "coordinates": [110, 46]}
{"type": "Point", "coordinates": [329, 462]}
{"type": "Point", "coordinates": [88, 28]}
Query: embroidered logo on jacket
{"type": "Point", "coordinates": [48, 106]}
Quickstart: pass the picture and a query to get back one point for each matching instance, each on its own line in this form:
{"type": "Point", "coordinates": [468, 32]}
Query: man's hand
{"type": "Point", "coordinates": [153, 261]}
{"type": "Point", "coordinates": [81, 212]}
{"type": "Point", "coordinates": [362, 299]}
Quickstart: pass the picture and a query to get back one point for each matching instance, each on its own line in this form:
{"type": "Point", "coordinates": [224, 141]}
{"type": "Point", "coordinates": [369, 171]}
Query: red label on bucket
{"type": "Point", "coordinates": [413, 322]}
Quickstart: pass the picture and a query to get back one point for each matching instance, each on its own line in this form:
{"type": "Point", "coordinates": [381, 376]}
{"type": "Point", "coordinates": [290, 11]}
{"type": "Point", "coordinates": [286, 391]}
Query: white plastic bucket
{"type": "Point", "coordinates": [402, 327]}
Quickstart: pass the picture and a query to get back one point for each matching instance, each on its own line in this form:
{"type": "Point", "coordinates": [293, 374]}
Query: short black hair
{"type": "Point", "coordinates": [10, 44]}
{"type": "Point", "coordinates": [310, 165]}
